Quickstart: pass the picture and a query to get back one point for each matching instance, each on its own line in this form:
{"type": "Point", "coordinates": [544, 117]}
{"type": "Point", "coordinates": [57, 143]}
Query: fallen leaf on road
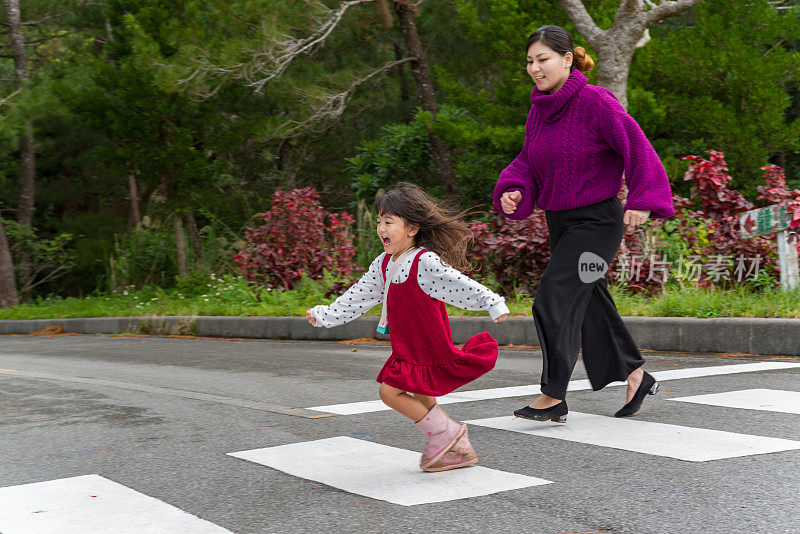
{"type": "Point", "coordinates": [55, 330]}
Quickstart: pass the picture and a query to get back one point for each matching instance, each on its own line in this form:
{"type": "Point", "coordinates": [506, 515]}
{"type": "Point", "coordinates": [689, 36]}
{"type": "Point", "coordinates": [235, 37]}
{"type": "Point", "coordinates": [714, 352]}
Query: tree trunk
{"type": "Point", "coordinates": [136, 218]}
{"type": "Point", "coordinates": [8, 284]}
{"type": "Point", "coordinates": [401, 74]}
{"type": "Point", "coordinates": [286, 163]}
{"type": "Point", "coordinates": [422, 77]}
{"type": "Point", "coordinates": [27, 145]}
{"type": "Point", "coordinates": [27, 179]}
{"type": "Point", "coordinates": [615, 46]}
{"type": "Point", "coordinates": [614, 64]}
{"type": "Point", "coordinates": [180, 245]}
{"type": "Point", "coordinates": [194, 237]}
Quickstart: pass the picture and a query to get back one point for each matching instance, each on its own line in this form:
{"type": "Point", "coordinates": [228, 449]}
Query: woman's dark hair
{"type": "Point", "coordinates": [440, 228]}
{"type": "Point", "coordinates": [560, 41]}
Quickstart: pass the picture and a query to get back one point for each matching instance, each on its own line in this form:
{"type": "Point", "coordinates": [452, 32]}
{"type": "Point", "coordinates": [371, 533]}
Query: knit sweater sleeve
{"type": "Point", "coordinates": [648, 185]}
{"type": "Point", "coordinates": [518, 176]}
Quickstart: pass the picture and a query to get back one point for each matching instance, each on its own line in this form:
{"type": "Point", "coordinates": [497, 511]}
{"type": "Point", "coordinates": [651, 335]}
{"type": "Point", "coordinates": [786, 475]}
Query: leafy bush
{"type": "Point", "coordinates": [402, 152]}
{"type": "Point", "coordinates": [144, 257]}
{"type": "Point", "coordinates": [515, 253]}
{"type": "Point", "coordinates": [723, 206]}
{"type": "Point", "coordinates": [700, 247]}
{"type": "Point", "coordinates": [776, 192]}
{"type": "Point", "coordinates": [368, 244]}
{"type": "Point", "coordinates": [298, 237]}
{"type": "Point", "coordinates": [51, 257]}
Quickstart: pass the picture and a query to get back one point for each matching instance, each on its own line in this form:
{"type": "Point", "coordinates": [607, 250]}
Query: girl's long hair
{"type": "Point", "coordinates": [440, 227]}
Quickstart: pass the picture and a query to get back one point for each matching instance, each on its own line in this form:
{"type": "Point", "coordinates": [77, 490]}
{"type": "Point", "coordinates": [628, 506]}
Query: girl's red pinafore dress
{"type": "Point", "coordinates": [424, 359]}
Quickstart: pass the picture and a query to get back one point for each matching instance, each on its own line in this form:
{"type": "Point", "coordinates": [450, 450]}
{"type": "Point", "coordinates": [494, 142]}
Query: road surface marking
{"type": "Point", "coordinates": [770, 400]}
{"type": "Point", "coordinates": [352, 408]}
{"type": "Point", "coordinates": [382, 472]}
{"type": "Point", "coordinates": [92, 504]}
{"type": "Point", "coordinates": [673, 441]}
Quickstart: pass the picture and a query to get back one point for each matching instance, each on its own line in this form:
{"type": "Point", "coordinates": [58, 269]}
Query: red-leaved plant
{"type": "Point", "coordinates": [298, 236]}
{"type": "Point", "coordinates": [515, 252]}
{"type": "Point", "coordinates": [724, 207]}
{"type": "Point", "coordinates": [776, 192]}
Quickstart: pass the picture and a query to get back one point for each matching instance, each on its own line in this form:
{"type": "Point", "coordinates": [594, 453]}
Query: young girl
{"type": "Point", "coordinates": [413, 281]}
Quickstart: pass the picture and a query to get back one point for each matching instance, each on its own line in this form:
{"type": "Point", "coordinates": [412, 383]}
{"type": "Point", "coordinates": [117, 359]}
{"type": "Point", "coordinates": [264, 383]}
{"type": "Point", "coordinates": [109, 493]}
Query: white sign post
{"type": "Point", "coordinates": [770, 220]}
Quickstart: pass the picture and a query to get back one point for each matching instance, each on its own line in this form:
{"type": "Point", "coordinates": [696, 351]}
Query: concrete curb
{"type": "Point", "coordinates": [745, 335]}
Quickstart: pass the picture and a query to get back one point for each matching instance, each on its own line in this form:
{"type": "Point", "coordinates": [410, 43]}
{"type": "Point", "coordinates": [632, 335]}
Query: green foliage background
{"type": "Point", "coordinates": [153, 89]}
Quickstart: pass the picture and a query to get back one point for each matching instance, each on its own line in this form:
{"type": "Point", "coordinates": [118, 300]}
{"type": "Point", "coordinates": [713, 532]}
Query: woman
{"type": "Point", "coordinates": [578, 143]}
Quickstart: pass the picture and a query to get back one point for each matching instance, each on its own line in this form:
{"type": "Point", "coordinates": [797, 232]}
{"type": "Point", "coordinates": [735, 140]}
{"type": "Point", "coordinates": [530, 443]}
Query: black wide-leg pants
{"type": "Point", "coordinates": [570, 312]}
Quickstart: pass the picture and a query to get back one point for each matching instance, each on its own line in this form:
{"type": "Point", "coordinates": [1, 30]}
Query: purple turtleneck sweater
{"type": "Point", "coordinates": [578, 142]}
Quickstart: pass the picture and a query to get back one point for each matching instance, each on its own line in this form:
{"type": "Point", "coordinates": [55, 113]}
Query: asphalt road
{"type": "Point", "coordinates": [161, 415]}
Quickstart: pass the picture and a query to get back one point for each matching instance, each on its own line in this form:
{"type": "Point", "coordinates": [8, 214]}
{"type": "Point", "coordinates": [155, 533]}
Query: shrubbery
{"type": "Point", "coordinates": [515, 253]}
{"type": "Point", "coordinates": [701, 246]}
{"type": "Point", "coordinates": [298, 237]}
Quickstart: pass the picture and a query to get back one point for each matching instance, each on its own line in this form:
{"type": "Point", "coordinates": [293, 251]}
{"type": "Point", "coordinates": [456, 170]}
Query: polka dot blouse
{"type": "Point", "coordinates": [436, 278]}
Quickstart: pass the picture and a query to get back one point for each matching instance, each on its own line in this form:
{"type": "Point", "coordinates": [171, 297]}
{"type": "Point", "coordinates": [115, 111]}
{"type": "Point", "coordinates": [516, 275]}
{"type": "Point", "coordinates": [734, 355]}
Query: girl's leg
{"type": "Point", "coordinates": [427, 400]}
{"type": "Point", "coordinates": [442, 433]}
{"type": "Point", "coordinates": [403, 403]}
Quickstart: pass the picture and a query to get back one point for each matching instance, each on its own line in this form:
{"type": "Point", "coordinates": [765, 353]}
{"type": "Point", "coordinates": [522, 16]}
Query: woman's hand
{"type": "Point", "coordinates": [501, 318]}
{"type": "Point", "coordinates": [635, 217]}
{"type": "Point", "coordinates": [311, 318]}
{"type": "Point", "coordinates": [509, 201]}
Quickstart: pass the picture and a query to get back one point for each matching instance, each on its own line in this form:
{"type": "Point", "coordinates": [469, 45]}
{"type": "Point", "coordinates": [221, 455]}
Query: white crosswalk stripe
{"type": "Point", "coordinates": [91, 504]}
{"type": "Point", "coordinates": [659, 439]}
{"type": "Point", "coordinates": [770, 400]}
{"type": "Point", "coordinates": [390, 474]}
{"type": "Point", "coordinates": [383, 472]}
{"type": "Point", "coordinates": [353, 408]}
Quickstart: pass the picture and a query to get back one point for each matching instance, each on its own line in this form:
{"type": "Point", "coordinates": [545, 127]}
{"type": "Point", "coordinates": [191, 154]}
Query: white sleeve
{"type": "Point", "coordinates": [356, 301]}
{"type": "Point", "coordinates": [442, 282]}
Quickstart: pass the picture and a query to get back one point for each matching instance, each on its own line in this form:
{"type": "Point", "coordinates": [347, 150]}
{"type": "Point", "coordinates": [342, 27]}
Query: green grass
{"type": "Point", "coordinates": [689, 302]}
{"type": "Point", "coordinates": [234, 297]}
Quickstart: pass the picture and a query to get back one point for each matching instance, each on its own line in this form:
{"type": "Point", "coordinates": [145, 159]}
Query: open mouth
{"type": "Point", "coordinates": [385, 241]}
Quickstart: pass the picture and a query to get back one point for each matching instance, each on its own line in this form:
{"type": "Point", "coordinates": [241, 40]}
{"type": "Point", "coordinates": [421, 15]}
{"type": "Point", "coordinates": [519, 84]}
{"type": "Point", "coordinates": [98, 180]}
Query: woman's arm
{"type": "Point", "coordinates": [518, 176]}
{"type": "Point", "coordinates": [648, 185]}
{"type": "Point", "coordinates": [355, 302]}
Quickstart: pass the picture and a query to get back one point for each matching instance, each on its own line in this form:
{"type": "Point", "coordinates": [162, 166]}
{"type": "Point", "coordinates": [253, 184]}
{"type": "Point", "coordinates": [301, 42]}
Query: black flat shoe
{"type": "Point", "coordinates": [649, 386]}
{"type": "Point", "coordinates": [557, 413]}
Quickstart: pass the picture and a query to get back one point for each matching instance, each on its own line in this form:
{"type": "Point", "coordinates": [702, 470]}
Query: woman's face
{"type": "Point", "coordinates": [548, 68]}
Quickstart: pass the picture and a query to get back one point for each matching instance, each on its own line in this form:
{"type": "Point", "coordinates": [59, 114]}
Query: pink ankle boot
{"type": "Point", "coordinates": [442, 432]}
{"type": "Point", "coordinates": [461, 455]}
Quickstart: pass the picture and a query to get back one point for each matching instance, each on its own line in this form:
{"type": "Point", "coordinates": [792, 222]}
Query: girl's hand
{"type": "Point", "coordinates": [501, 318]}
{"type": "Point", "coordinates": [509, 201]}
{"type": "Point", "coordinates": [311, 318]}
{"type": "Point", "coordinates": [635, 217]}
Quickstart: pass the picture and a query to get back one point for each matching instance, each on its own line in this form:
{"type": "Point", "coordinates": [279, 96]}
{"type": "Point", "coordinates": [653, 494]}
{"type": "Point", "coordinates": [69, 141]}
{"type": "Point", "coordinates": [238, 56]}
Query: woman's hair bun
{"type": "Point", "coordinates": [583, 61]}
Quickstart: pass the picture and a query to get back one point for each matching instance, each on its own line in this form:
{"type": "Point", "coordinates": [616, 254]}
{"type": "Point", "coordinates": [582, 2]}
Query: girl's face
{"type": "Point", "coordinates": [396, 235]}
{"type": "Point", "coordinates": [548, 68]}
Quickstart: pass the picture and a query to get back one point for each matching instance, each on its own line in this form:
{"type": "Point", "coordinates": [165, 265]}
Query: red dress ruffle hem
{"type": "Point", "coordinates": [424, 359]}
